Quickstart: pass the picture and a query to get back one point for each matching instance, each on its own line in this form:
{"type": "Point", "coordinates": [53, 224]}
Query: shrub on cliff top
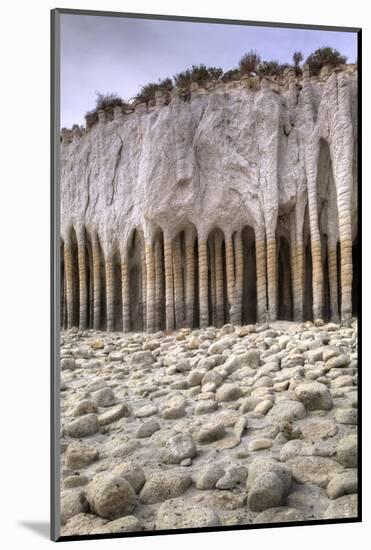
{"type": "Point", "coordinates": [249, 62]}
{"type": "Point", "coordinates": [103, 102]}
{"type": "Point", "coordinates": [324, 56]}
{"type": "Point", "coordinates": [271, 68]}
{"type": "Point", "coordinates": [232, 74]}
{"type": "Point", "coordinates": [198, 73]}
{"type": "Point", "coordinates": [147, 91]}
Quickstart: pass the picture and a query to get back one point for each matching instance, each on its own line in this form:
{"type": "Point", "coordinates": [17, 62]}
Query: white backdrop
{"type": "Point", "coordinates": [25, 264]}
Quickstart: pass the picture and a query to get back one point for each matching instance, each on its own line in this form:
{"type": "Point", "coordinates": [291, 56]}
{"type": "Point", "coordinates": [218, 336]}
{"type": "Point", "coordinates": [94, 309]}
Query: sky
{"type": "Point", "coordinates": [114, 54]}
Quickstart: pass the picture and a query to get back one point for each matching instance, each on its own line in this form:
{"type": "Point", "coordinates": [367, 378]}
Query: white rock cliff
{"type": "Point", "coordinates": [237, 204]}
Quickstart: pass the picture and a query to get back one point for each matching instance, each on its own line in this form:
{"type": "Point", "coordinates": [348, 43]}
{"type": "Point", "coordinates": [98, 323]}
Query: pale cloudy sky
{"type": "Point", "coordinates": [114, 54]}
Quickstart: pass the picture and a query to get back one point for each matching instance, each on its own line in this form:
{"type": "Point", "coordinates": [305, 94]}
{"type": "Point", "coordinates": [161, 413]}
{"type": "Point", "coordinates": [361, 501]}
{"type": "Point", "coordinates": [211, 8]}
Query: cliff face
{"type": "Point", "coordinates": [238, 204]}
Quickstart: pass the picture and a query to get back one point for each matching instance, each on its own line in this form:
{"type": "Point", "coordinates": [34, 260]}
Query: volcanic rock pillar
{"type": "Point", "coordinates": [150, 295]}
{"type": "Point", "coordinates": [83, 291]}
{"type": "Point", "coordinates": [203, 282]}
{"type": "Point", "coordinates": [238, 246]}
{"type": "Point", "coordinates": [125, 284]}
{"type": "Point", "coordinates": [160, 284]}
{"type": "Point", "coordinates": [110, 293]}
{"type": "Point", "coordinates": [190, 277]}
{"type": "Point", "coordinates": [96, 283]}
{"type": "Point", "coordinates": [219, 291]}
{"type": "Point", "coordinates": [169, 296]}
{"type": "Point", "coordinates": [272, 275]}
{"type": "Point", "coordinates": [178, 284]}
{"type": "Point", "coordinates": [69, 282]}
{"type": "Point", "coordinates": [261, 276]}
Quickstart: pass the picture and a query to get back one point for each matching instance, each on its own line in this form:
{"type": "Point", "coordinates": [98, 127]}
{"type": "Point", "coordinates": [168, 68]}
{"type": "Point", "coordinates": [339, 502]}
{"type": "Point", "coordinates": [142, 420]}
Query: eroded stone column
{"type": "Point", "coordinates": [333, 279]}
{"type": "Point", "coordinates": [143, 288]}
{"type": "Point", "coordinates": [110, 292]}
{"type": "Point", "coordinates": [96, 283]}
{"type": "Point", "coordinates": [229, 260]}
{"type": "Point", "coordinates": [211, 251]}
{"type": "Point", "coordinates": [261, 276]}
{"type": "Point", "coordinates": [125, 285]}
{"type": "Point", "coordinates": [190, 277]}
{"type": "Point", "coordinates": [160, 285]}
{"type": "Point", "coordinates": [297, 266]}
{"type": "Point", "coordinates": [219, 290]}
{"type": "Point", "coordinates": [169, 290]}
{"type": "Point", "coordinates": [272, 275]}
{"type": "Point", "coordinates": [203, 283]}
{"type": "Point", "coordinates": [69, 282]}
{"type": "Point", "coordinates": [83, 291]}
{"type": "Point", "coordinates": [150, 299]}
{"type": "Point", "coordinates": [238, 246]}
{"type": "Point", "coordinates": [178, 284]}
{"type": "Point", "coordinates": [311, 147]}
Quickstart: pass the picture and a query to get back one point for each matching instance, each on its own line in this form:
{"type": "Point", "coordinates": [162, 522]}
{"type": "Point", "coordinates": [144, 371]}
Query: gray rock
{"type": "Point", "coordinates": [346, 416]}
{"type": "Point", "coordinates": [279, 514]}
{"type": "Point", "coordinates": [179, 513]}
{"type": "Point", "coordinates": [179, 447]}
{"type": "Point", "coordinates": [84, 407]}
{"type": "Point", "coordinates": [213, 431]}
{"type": "Point", "coordinates": [346, 452]}
{"type": "Point", "coordinates": [316, 470]}
{"type": "Point", "coordinates": [259, 444]}
{"type": "Point", "coordinates": [292, 361]}
{"type": "Point", "coordinates": [82, 524]}
{"type": "Point", "coordinates": [162, 486]}
{"type": "Point", "coordinates": [83, 426]}
{"type": "Point", "coordinates": [103, 397]}
{"type": "Point", "coordinates": [208, 476]}
{"type": "Point", "coordinates": [287, 410]}
{"type": "Point", "coordinates": [228, 392]}
{"type": "Point", "coordinates": [79, 455]}
{"type": "Point", "coordinates": [264, 465]}
{"type": "Point", "coordinates": [127, 524]}
{"type": "Point", "coordinates": [71, 504]}
{"type": "Point", "coordinates": [267, 491]}
{"type": "Point", "coordinates": [68, 363]}
{"type": "Point", "coordinates": [113, 414]}
{"type": "Point", "coordinates": [234, 476]}
{"type": "Point", "coordinates": [311, 500]}
{"type": "Point", "coordinates": [343, 484]}
{"type": "Point", "coordinates": [206, 407]}
{"type": "Point", "coordinates": [147, 429]}
{"type": "Point", "coordinates": [144, 358]}
{"type": "Point", "coordinates": [111, 496]}
{"type": "Point", "coordinates": [133, 474]}
{"type": "Point", "coordinates": [343, 507]}
{"type": "Point", "coordinates": [337, 361]}
{"type": "Point", "coordinates": [146, 411]}
{"type": "Point", "coordinates": [314, 396]}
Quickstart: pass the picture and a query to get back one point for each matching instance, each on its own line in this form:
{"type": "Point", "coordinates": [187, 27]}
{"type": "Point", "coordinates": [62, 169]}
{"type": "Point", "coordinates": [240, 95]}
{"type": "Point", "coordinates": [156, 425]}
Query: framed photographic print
{"type": "Point", "coordinates": [206, 274]}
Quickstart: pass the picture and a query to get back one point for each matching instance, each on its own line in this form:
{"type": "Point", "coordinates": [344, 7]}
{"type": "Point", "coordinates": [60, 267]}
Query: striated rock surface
{"type": "Point", "coordinates": [235, 205]}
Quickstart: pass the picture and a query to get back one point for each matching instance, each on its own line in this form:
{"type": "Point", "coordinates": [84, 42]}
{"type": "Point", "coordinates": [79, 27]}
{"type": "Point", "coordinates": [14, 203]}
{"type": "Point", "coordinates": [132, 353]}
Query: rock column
{"type": "Point", "coordinates": [83, 291]}
{"type": "Point", "coordinates": [190, 277]}
{"type": "Point", "coordinates": [69, 282]}
{"type": "Point", "coordinates": [261, 276]}
{"type": "Point", "coordinates": [125, 285]}
{"type": "Point", "coordinates": [96, 283]}
{"type": "Point", "coordinates": [178, 284]}
{"type": "Point", "coordinates": [151, 286]}
{"type": "Point", "coordinates": [168, 255]}
{"type": "Point", "coordinates": [203, 282]}
{"type": "Point", "coordinates": [110, 292]}
{"type": "Point", "coordinates": [219, 290]}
